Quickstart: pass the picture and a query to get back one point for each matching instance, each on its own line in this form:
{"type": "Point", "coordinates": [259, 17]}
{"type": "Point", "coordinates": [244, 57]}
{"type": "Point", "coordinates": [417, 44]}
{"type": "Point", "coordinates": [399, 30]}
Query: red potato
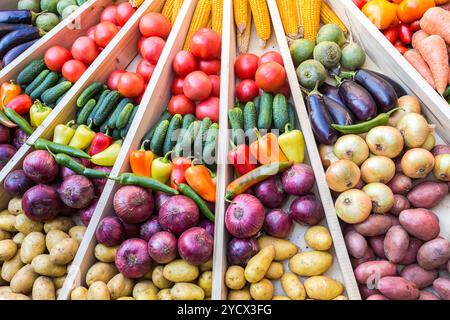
{"type": "Point", "coordinates": [396, 244]}
{"type": "Point", "coordinates": [420, 277]}
{"type": "Point", "coordinates": [442, 288]}
{"type": "Point", "coordinates": [400, 184]}
{"type": "Point", "coordinates": [397, 288]}
{"type": "Point", "coordinates": [374, 225]}
{"type": "Point", "coordinates": [425, 295]}
{"type": "Point", "coordinates": [356, 244]}
{"type": "Point", "coordinates": [377, 297]}
{"type": "Point", "coordinates": [374, 270]}
{"type": "Point", "coordinates": [411, 252]}
{"type": "Point", "coordinates": [420, 223]}
{"type": "Point", "coordinates": [433, 254]}
{"type": "Point", "coordinates": [376, 243]}
{"type": "Point", "coordinates": [369, 255]}
{"type": "Point", "coordinates": [400, 203]}
{"type": "Point", "coordinates": [427, 194]}
{"type": "Point", "coordinates": [366, 292]}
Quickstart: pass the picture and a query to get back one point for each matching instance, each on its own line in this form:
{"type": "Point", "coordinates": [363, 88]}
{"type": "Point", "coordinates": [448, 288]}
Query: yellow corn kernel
{"type": "Point", "coordinates": [311, 17]}
{"type": "Point", "coordinates": [261, 18]}
{"type": "Point", "coordinates": [199, 20]}
{"type": "Point", "coordinates": [328, 16]}
{"type": "Point", "coordinates": [298, 8]}
{"type": "Point", "coordinates": [243, 38]}
{"type": "Point", "coordinates": [288, 13]}
{"type": "Point", "coordinates": [167, 9]}
{"type": "Point", "coordinates": [217, 15]}
{"type": "Point", "coordinates": [177, 4]}
{"type": "Point", "coordinates": [241, 10]}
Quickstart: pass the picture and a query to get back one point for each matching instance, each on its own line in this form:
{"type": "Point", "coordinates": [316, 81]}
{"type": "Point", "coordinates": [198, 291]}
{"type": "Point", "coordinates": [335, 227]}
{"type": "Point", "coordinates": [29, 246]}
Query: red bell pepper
{"type": "Point", "coordinates": [391, 34]}
{"type": "Point", "coordinates": [405, 34]}
{"type": "Point", "coordinates": [359, 3]}
{"type": "Point", "coordinates": [243, 162]}
{"type": "Point", "coordinates": [100, 142]}
{"type": "Point", "coordinates": [180, 165]}
{"type": "Point", "coordinates": [20, 104]}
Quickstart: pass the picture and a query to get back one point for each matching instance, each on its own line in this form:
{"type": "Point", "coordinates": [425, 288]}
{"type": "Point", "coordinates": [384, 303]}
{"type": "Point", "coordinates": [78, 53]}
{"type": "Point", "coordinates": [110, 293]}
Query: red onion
{"type": "Point", "coordinates": [244, 217]}
{"type": "Point", "coordinates": [239, 251]}
{"type": "Point", "coordinates": [6, 153]}
{"type": "Point", "coordinates": [400, 184]}
{"type": "Point", "coordinates": [40, 166]}
{"type": "Point", "coordinates": [77, 192]}
{"type": "Point", "coordinates": [110, 231]}
{"type": "Point", "coordinates": [4, 134]}
{"type": "Point", "coordinates": [397, 162]}
{"type": "Point", "coordinates": [178, 214]}
{"type": "Point", "coordinates": [208, 226]}
{"type": "Point", "coordinates": [17, 183]}
{"type": "Point", "coordinates": [86, 213]}
{"type": "Point", "coordinates": [162, 247]}
{"type": "Point", "coordinates": [440, 149]}
{"type": "Point", "coordinates": [270, 192]}
{"type": "Point", "coordinates": [133, 204]}
{"type": "Point", "coordinates": [149, 228]}
{"type": "Point", "coordinates": [195, 246]}
{"type": "Point", "coordinates": [160, 199]}
{"type": "Point", "coordinates": [99, 184]}
{"type": "Point", "coordinates": [67, 211]}
{"type": "Point", "coordinates": [306, 210]}
{"type": "Point", "coordinates": [131, 230]}
{"type": "Point", "coordinates": [298, 179]}
{"type": "Point", "coordinates": [19, 138]}
{"type": "Point", "coordinates": [277, 223]}
{"type": "Point", "coordinates": [41, 203]}
{"type": "Point", "coordinates": [132, 259]}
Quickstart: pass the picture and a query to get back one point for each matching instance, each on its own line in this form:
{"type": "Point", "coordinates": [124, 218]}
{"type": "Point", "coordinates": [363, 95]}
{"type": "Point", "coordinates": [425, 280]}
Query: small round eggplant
{"type": "Point", "coordinates": [358, 100]}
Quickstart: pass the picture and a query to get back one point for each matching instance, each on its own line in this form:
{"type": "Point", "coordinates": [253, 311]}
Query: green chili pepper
{"type": "Point", "coordinates": [362, 127]}
{"type": "Point", "coordinates": [446, 94]}
{"type": "Point", "coordinates": [70, 163]}
{"type": "Point", "coordinates": [190, 193]}
{"type": "Point", "coordinates": [19, 120]}
{"type": "Point", "coordinates": [43, 144]}
{"type": "Point", "coordinates": [145, 182]}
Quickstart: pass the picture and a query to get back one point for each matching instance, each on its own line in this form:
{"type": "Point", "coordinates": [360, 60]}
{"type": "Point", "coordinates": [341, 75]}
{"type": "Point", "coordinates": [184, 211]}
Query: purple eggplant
{"type": "Point", "coordinates": [320, 119]}
{"type": "Point", "coordinates": [358, 100]}
{"type": "Point", "coordinates": [15, 52]}
{"type": "Point", "coordinates": [17, 16]}
{"type": "Point", "coordinates": [15, 38]}
{"type": "Point", "coordinates": [397, 87]}
{"type": "Point", "coordinates": [6, 28]}
{"type": "Point", "coordinates": [340, 114]}
{"type": "Point", "coordinates": [382, 91]}
{"type": "Point", "coordinates": [331, 92]}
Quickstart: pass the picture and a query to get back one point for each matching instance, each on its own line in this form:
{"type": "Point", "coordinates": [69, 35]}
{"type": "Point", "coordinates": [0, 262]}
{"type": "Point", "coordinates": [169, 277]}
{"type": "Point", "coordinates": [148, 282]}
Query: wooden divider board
{"type": "Point", "coordinates": [8, 4]}
{"type": "Point", "coordinates": [153, 104]}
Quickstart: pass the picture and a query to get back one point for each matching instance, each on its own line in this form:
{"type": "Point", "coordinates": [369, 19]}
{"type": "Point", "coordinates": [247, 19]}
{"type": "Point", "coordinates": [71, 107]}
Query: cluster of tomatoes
{"type": "Point", "coordinates": [72, 64]}
{"type": "Point", "coordinates": [266, 73]}
{"type": "Point", "coordinates": [197, 77]}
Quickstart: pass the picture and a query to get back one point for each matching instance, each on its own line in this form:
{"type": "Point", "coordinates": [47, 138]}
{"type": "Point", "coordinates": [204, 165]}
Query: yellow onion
{"type": "Point", "coordinates": [351, 147]}
{"type": "Point", "coordinates": [385, 141]}
{"type": "Point", "coordinates": [417, 163]}
{"type": "Point", "coordinates": [378, 169]}
{"type": "Point", "coordinates": [442, 167]}
{"type": "Point", "coordinates": [353, 206]}
{"type": "Point", "coordinates": [381, 195]}
{"type": "Point", "coordinates": [326, 155]}
{"type": "Point", "coordinates": [342, 175]}
{"type": "Point", "coordinates": [414, 129]}
{"type": "Point", "coordinates": [407, 104]}
{"type": "Point", "coordinates": [430, 142]}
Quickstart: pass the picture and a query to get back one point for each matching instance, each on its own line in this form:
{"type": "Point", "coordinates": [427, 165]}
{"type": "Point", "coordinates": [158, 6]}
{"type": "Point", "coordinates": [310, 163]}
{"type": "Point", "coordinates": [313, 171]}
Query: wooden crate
{"type": "Point", "coordinates": [8, 4]}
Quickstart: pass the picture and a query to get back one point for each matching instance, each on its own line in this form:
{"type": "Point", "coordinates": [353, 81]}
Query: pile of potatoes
{"type": "Point", "coordinates": [35, 256]}
{"type": "Point", "coordinates": [177, 280]}
{"type": "Point", "coordinates": [255, 280]}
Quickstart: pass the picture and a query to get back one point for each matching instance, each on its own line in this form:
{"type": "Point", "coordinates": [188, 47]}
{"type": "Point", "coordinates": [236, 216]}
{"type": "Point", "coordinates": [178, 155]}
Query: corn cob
{"type": "Point", "coordinates": [199, 20]}
{"type": "Point", "coordinates": [158, 6]}
{"type": "Point", "coordinates": [288, 12]}
{"type": "Point", "coordinates": [136, 3]}
{"type": "Point", "coordinates": [310, 17]}
{"type": "Point", "coordinates": [328, 16]}
{"type": "Point", "coordinates": [261, 18]}
{"type": "Point", "coordinates": [217, 15]}
{"type": "Point", "coordinates": [176, 9]}
{"type": "Point", "coordinates": [241, 10]}
{"type": "Point", "coordinates": [243, 38]}
{"type": "Point", "coordinates": [167, 9]}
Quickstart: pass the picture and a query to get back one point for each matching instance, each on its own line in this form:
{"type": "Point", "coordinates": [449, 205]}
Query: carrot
{"type": "Point", "coordinates": [415, 59]}
{"type": "Point", "coordinates": [434, 51]}
{"type": "Point", "coordinates": [417, 37]}
{"type": "Point", "coordinates": [437, 21]}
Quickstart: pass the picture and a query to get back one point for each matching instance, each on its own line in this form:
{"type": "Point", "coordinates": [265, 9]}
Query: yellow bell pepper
{"type": "Point", "coordinates": [82, 137]}
{"type": "Point", "coordinates": [292, 144]}
{"type": "Point", "coordinates": [63, 133]}
{"type": "Point", "coordinates": [38, 113]}
{"type": "Point", "coordinates": [162, 168]}
{"type": "Point", "coordinates": [108, 157]}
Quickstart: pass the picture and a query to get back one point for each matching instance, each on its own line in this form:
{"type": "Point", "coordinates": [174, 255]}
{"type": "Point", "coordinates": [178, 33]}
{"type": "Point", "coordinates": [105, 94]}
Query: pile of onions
{"type": "Point", "coordinates": [76, 192]}
{"type": "Point", "coordinates": [406, 104]}
{"type": "Point", "coordinates": [6, 153]}
{"type": "Point", "coordinates": [385, 141]}
{"type": "Point", "coordinates": [162, 247]}
{"type": "Point", "coordinates": [342, 175]}
{"type": "Point", "coordinates": [208, 226]}
{"type": "Point", "coordinates": [17, 183]}
{"type": "Point", "coordinates": [195, 246]}
{"type": "Point", "coordinates": [417, 163]}
{"type": "Point", "coordinates": [178, 214]}
{"type": "Point", "coordinates": [381, 196]}
{"type": "Point", "coordinates": [327, 155]}
{"type": "Point", "coordinates": [378, 169]}
{"type": "Point", "coordinates": [160, 199]}
{"type": "Point", "coordinates": [41, 203]}
{"type": "Point", "coordinates": [351, 147]}
{"type": "Point", "coordinates": [149, 228]}
{"type": "Point", "coordinates": [133, 204]}
{"type": "Point", "coordinates": [244, 217]}
{"type": "Point", "coordinates": [40, 166]}
{"type": "Point", "coordinates": [353, 206]}
{"type": "Point", "coordinates": [132, 258]}
{"type": "Point", "coordinates": [99, 184]}
{"type": "Point", "coordinates": [240, 251]}
{"type": "Point", "coordinates": [110, 231]}
{"type": "Point", "coordinates": [86, 213]}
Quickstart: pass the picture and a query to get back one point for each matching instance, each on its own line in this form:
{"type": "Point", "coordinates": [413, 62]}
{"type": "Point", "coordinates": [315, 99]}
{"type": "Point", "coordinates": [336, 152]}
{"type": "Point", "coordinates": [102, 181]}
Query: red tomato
{"type": "Point", "coordinates": [72, 70]}
{"type": "Point", "coordinates": [215, 81]}
{"type": "Point", "coordinates": [246, 66]}
{"type": "Point", "coordinates": [154, 24]}
{"type": "Point", "coordinates": [177, 86]}
{"type": "Point", "coordinates": [197, 86]}
{"type": "Point", "coordinates": [208, 108]}
{"type": "Point", "coordinates": [181, 104]}
{"type": "Point", "coordinates": [247, 90]}
{"type": "Point", "coordinates": [139, 43]}
{"type": "Point", "coordinates": [139, 99]}
{"type": "Point", "coordinates": [271, 56]}
{"type": "Point", "coordinates": [270, 76]}
{"type": "Point", "coordinates": [104, 33]}
{"type": "Point", "coordinates": [184, 63]}
{"type": "Point", "coordinates": [151, 49]}
{"type": "Point", "coordinates": [405, 34]}
{"type": "Point", "coordinates": [145, 69]}
{"type": "Point", "coordinates": [124, 12]}
{"type": "Point", "coordinates": [210, 66]}
{"type": "Point", "coordinates": [131, 85]}
{"type": "Point", "coordinates": [113, 80]}
{"type": "Point", "coordinates": [109, 14]}
{"type": "Point", "coordinates": [90, 33]}
{"type": "Point", "coordinates": [206, 44]}
{"type": "Point", "coordinates": [415, 26]}
{"type": "Point", "coordinates": [55, 57]}
{"type": "Point", "coordinates": [285, 90]}
{"type": "Point", "coordinates": [85, 50]}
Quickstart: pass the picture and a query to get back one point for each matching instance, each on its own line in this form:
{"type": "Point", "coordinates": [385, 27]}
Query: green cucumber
{"type": "Point", "coordinates": [37, 81]}
{"type": "Point", "coordinates": [239, 105]}
{"type": "Point", "coordinates": [280, 113]}
{"type": "Point", "coordinates": [187, 120]}
{"type": "Point", "coordinates": [85, 112]}
{"type": "Point", "coordinates": [54, 93]}
{"type": "Point", "coordinates": [201, 136]}
{"type": "Point", "coordinates": [292, 116]}
{"type": "Point", "coordinates": [116, 134]}
{"type": "Point", "coordinates": [105, 108]}
{"type": "Point", "coordinates": [257, 101]}
{"type": "Point", "coordinates": [89, 93]}
{"type": "Point", "coordinates": [236, 118]}
{"type": "Point", "coordinates": [113, 117]}
{"type": "Point", "coordinates": [185, 142]}
{"type": "Point", "coordinates": [124, 131]}
{"type": "Point", "coordinates": [209, 150]}
{"type": "Point", "coordinates": [156, 145]}
{"type": "Point", "coordinates": [250, 117]}
{"type": "Point", "coordinates": [50, 80]}
{"type": "Point", "coordinates": [265, 111]}
{"type": "Point", "coordinates": [100, 100]}
{"type": "Point", "coordinates": [31, 71]}
{"type": "Point", "coordinates": [446, 94]}
{"type": "Point", "coordinates": [173, 133]}
{"type": "Point", "coordinates": [124, 116]}
{"type": "Point", "coordinates": [166, 115]}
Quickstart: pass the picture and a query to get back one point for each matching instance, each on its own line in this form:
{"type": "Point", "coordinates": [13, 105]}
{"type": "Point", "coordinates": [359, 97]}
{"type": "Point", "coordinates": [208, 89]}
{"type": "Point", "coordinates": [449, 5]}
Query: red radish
{"type": "Point", "coordinates": [195, 246]}
{"type": "Point", "coordinates": [40, 166]}
{"type": "Point", "coordinates": [55, 57]}
{"type": "Point", "coordinates": [244, 217]}
{"type": "Point", "coordinates": [178, 214]}
{"type": "Point", "coordinates": [149, 228]}
{"type": "Point", "coordinates": [145, 69]}
{"type": "Point", "coordinates": [277, 223]}
{"type": "Point", "coordinates": [208, 108]}
{"type": "Point", "coordinates": [87, 213]}
{"type": "Point", "coordinates": [124, 12]}
{"type": "Point", "coordinates": [154, 24]}
{"type": "Point", "coordinates": [246, 66]}
{"type": "Point", "coordinates": [85, 50]}
{"type": "Point", "coordinates": [184, 63]}
{"type": "Point", "coordinates": [247, 90]}
{"type": "Point", "coordinates": [77, 192]}
{"type": "Point", "coordinates": [210, 67]}
{"type": "Point", "coordinates": [72, 70]}
{"type": "Point", "coordinates": [151, 49]}
{"type": "Point", "coordinates": [104, 33]}
{"type": "Point", "coordinates": [177, 86]}
{"type": "Point", "coordinates": [133, 204]}
{"type": "Point", "coordinates": [306, 210]}
{"type": "Point", "coordinates": [109, 14]}
{"type": "Point", "coordinates": [41, 203]}
{"type": "Point", "coordinates": [17, 183]}
{"type": "Point", "coordinates": [132, 259]}
{"type": "Point", "coordinates": [114, 77]}
{"type": "Point", "coordinates": [197, 86]}
{"type": "Point", "coordinates": [162, 247]}
{"type": "Point", "coordinates": [110, 231]}
{"type": "Point", "coordinates": [240, 251]}
{"type": "Point", "coordinates": [215, 81]}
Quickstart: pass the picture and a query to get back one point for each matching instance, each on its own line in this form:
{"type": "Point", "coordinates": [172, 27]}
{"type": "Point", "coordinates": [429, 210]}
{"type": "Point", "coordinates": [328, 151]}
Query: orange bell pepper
{"type": "Point", "coordinates": [381, 13]}
{"type": "Point", "coordinates": [411, 10]}
{"type": "Point", "coordinates": [8, 91]}
{"type": "Point", "coordinates": [199, 178]}
{"type": "Point", "coordinates": [141, 161]}
{"type": "Point", "coordinates": [266, 149]}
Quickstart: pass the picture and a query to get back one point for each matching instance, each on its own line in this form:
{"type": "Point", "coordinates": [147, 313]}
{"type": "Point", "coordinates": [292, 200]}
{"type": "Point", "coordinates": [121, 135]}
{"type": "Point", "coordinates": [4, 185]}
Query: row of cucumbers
{"type": "Point", "coordinates": [106, 110]}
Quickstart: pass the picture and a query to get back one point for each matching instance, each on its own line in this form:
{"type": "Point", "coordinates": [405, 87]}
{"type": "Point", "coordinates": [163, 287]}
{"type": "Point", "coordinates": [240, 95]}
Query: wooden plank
{"type": "Point", "coordinates": [8, 4]}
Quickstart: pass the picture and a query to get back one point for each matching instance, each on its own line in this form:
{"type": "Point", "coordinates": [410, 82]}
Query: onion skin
{"type": "Point", "coordinates": [6, 153]}
{"type": "Point", "coordinates": [353, 206]}
{"type": "Point", "coordinates": [278, 223]}
{"type": "Point", "coordinates": [41, 203]}
{"type": "Point", "coordinates": [178, 214]}
{"type": "Point", "coordinates": [195, 246]}
{"type": "Point", "coordinates": [19, 138]}
{"type": "Point", "coordinates": [77, 192]}
{"type": "Point", "coordinates": [240, 251]}
{"type": "Point", "coordinates": [440, 149]}
{"type": "Point", "coordinates": [381, 196]}
{"type": "Point", "coordinates": [306, 210]}
{"type": "Point", "coordinates": [133, 204]}
{"type": "Point", "coordinates": [160, 199]}
{"type": "Point", "coordinates": [414, 129]}
{"type": "Point", "coordinates": [385, 141]}
{"type": "Point", "coordinates": [5, 135]}
{"type": "Point", "coordinates": [400, 184]}
{"type": "Point", "coordinates": [40, 166]}
{"type": "Point", "coordinates": [342, 175]}
{"type": "Point", "coordinates": [110, 232]}
{"type": "Point", "coordinates": [298, 179]}
{"type": "Point", "coordinates": [378, 169]}
{"type": "Point", "coordinates": [400, 203]}
{"type": "Point", "coordinates": [442, 167]}
{"type": "Point", "coordinates": [132, 259]}
{"type": "Point", "coordinates": [208, 226]}
{"type": "Point", "coordinates": [270, 192]}
{"type": "Point", "coordinates": [417, 163]}
{"type": "Point", "coordinates": [17, 183]}
{"type": "Point", "coordinates": [86, 213]}
{"type": "Point", "coordinates": [162, 247]}
{"type": "Point", "coordinates": [244, 217]}
{"type": "Point", "coordinates": [351, 147]}
{"type": "Point", "coordinates": [131, 230]}
{"type": "Point", "coordinates": [99, 184]}
{"type": "Point", "coordinates": [149, 228]}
